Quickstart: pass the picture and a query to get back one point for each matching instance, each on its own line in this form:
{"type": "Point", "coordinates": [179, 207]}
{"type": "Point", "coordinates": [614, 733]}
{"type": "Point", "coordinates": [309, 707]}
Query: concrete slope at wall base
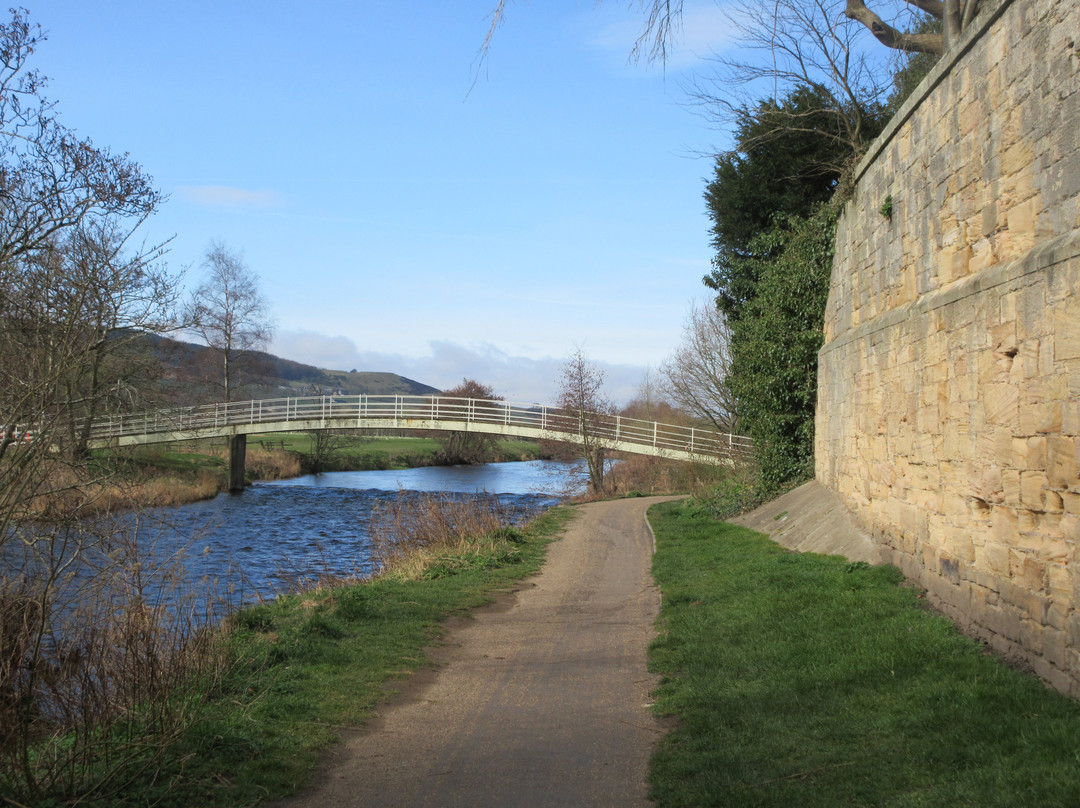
{"type": "Point", "coordinates": [812, 519]}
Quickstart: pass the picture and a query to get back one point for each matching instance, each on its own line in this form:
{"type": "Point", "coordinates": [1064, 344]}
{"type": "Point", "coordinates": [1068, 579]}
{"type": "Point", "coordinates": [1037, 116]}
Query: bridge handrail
{"type": "Point", "coordinates": [397, 409]}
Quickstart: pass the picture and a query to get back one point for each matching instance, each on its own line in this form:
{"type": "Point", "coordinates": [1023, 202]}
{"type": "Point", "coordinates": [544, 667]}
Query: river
{"type": "Point", "coordinates": [275, 535]}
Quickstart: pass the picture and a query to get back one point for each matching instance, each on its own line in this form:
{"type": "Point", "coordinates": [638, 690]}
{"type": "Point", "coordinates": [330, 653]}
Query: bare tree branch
{"type": "Point", "coordinates": [953, 20]}
{"type": "Point", "coordinates": [664, 21]}
{"type": "Point", "coordinates": [806, 45]}
{"type": "Point", "coordinates": [891, 37]}
{"type": "Point", "coordinates": [697, 372]}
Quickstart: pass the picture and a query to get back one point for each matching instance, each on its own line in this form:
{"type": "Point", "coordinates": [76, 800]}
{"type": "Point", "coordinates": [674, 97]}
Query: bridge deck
{"type": "Point", "coordinates": [433, 413]}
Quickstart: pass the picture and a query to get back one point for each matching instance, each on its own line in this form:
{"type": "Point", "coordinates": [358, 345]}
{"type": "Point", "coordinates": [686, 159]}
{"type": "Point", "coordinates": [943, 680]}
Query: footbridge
{"type": "Point", "coordinates": [238, 419]}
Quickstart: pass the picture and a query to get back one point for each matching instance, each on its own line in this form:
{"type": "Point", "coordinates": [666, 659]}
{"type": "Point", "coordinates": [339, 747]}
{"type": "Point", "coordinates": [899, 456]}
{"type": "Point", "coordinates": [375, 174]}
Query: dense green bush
{"type": "Point", "coordinates": [775, 344]}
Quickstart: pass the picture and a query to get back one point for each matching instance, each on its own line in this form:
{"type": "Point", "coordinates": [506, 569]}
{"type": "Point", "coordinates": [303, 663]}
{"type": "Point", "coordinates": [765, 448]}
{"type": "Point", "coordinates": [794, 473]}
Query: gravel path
{"type": "Point", "coordinates": [540, 700]}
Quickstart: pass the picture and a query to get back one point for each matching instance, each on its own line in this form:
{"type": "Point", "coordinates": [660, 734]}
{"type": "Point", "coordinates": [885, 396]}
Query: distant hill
{"type": "Point", "coordinates": [188, 369]}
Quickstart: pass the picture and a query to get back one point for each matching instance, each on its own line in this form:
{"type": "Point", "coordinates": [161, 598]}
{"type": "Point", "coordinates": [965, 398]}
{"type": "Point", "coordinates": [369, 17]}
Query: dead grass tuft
{"type": "Point", "coordinates": [106, 660]}
{"type": "Point", "coordinates": [417, 534]}
{"type": "Point", "coordinates": [274, 464]}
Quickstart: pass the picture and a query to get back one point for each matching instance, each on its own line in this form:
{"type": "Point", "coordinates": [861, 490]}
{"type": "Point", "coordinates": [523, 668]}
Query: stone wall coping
{"type": "Point", "coordinates": [989, 12]}
{"type": "Point", "coordinates": [1040, 258]}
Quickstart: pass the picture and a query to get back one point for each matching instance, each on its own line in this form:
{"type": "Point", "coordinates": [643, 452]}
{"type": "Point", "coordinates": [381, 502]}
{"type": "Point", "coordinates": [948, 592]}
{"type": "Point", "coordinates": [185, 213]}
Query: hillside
{"type": "Point", "coordinates": [190, 371]}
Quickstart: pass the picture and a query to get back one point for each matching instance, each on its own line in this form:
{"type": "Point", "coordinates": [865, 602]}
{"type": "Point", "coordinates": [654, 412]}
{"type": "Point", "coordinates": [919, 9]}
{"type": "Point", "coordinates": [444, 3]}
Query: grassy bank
{"type": "Point", "coordinates": [317, 662]}
{"type": "Point", "coordinates": [805, 680]}
{"type": "Point", "coordinates": [290, 675]}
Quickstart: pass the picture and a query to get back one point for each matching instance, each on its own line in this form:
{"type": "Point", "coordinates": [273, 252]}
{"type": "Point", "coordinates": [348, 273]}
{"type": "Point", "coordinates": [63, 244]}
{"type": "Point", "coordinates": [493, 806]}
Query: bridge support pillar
{"type": "Point", "coordinates": [237, 461]}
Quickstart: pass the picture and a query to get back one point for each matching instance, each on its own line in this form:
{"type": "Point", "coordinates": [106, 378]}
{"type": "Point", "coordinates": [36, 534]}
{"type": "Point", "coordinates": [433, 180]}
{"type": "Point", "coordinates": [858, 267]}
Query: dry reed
{"type": "Point", "coordinates": [105, 660]}
{"type": "Point", "coordinates": [416, 532]}
{"type": "Point", "coordinates": [273, 464]}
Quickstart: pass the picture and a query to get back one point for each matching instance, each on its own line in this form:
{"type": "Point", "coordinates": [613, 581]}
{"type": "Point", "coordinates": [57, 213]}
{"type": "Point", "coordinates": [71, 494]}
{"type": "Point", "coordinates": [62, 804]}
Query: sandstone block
{"type": "Point", "coordinates": [1032, 485]}
{"type": "Point", "coordinates": [1053, 646]}
{"type": "Point", "coordinates": [1027, 523]}
{"type": "Point", "coordinates": [1070, 501]}
{"type": "Point", "coordinates": [1059, 582]}
{"type": "Point", "coordinates": [1022, 221]}
{"type": "Point", "coordinates": [1070, 527]}
{"type": "Point", "coordinates": [1067, 332]}
{"type": "Point", "coordinates": [1042, 418]}
{"type": "Point", "coordinates": [1057, 616]}
{"type": "Point", "coordinates": [1027, 572]}
{"type": "Point", "coordinates": [1003, 525]}
{"type": "Point", "coordinates": [983, 255]}
{"type": "Point", "coordinates": [1061, 462]}
{"type": "Point", "coordinates": [995, 556]}
{"type": "Point", "coordinates": [1010, 488]}
{"type": "Point", "coordinates": [1070, 417]}
{"type": "Point", "coordinates": [1031, 636]}
{"type": "Point", "coordinates": [1027, 360]}
{"type": "Point", "coordinates": [1002, 404]}
{"type": "Point", "coordinates": [1073, 630]}
{"type": "Point", "coordinates": [1053, 502]}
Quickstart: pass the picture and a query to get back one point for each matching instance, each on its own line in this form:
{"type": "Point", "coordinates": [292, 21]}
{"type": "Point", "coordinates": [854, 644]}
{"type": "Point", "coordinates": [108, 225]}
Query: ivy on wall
{"type": "Point", "coordinates": [776, 340]}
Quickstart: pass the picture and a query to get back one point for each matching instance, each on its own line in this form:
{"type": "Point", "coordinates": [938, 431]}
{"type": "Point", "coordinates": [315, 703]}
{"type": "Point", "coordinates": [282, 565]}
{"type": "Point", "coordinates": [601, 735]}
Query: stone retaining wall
{"type": "Point", "coordinates": [949, 383]}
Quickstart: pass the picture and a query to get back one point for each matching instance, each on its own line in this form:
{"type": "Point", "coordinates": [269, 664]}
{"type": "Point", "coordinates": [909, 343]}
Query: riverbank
{"type": "Point", "coordinates": [279, 681]}
{"type": "Point", "coordinates": [789, 678]}
{"type": "Point", "coordinates": [182, 473]}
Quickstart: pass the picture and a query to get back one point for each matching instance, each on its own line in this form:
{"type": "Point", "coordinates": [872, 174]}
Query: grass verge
{"type": "Point", "coordinates": [807, 680]}
{"type": "Point", "coordinates": [309, 665]}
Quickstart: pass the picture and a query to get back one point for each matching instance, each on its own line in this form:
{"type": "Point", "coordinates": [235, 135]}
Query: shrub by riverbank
{"type": "Point", "coordinates": [806, 680]}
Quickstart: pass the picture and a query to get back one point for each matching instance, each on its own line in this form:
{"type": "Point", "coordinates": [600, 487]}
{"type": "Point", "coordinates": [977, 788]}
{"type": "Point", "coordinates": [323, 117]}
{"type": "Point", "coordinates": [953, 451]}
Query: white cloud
{"type": "Point", "coordinates": [222, 196]}
{"type": "Point", "coordinates": [520, 379]}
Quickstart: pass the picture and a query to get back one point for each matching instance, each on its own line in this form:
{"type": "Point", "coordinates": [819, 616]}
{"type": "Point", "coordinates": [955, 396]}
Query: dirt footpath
{"type": "Point", "coordinates": [541, 700]}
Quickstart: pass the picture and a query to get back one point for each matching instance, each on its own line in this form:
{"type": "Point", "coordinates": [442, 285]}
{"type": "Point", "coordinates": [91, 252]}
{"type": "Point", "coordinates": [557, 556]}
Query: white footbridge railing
{"type": "Point", "coordinates": [436, 413]}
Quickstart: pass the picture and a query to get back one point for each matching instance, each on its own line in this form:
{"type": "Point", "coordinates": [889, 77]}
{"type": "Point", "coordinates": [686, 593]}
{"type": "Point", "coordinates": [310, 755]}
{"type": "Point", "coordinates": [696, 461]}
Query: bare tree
{"type": "Point", "coordinates": [784, 45]}
{"type": "Point", "coordinates": [121, 298]}
{"type": "Point", "coordinates": [649, 402]}
{"type": "Point", "coordinates": [955, 16]}
{"type": "Point", "coordinates": [580, 395]}
{"type": "Point", "coordinates": [229, 313]}
{"type": "Point", "coordinates": [325, 443]}
{"type": "Point", "coordinates": [83, 656]}
{"type": "Point", "coordinates": [51, 179]}
{"type": "Point", "coordinates": [664, 21]}
{"type": "Point", "coordinates": [470, 447]}
{"type": "Point", "coordinates": [64, 296]}
{"type": "Point", "coordinates": [697, 372]}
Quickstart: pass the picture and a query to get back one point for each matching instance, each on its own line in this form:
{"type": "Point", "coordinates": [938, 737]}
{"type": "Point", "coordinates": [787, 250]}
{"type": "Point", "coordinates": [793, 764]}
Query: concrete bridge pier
{"type": "Point", "coordinates": [237, 461]}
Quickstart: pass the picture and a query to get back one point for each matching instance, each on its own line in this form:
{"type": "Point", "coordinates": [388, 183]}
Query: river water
{"type": "Point", "coordinates": [276, 535]}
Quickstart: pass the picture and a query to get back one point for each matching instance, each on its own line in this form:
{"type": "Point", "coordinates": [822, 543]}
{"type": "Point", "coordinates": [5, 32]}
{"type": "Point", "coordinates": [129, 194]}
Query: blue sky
{"type": "Point", "coordinates": [403, 211]}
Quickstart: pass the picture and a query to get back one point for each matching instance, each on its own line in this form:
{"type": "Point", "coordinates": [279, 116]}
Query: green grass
{"type": "Point", "coordinates": [377, 453]}
{"type": "Point", "coordinates": [309, 665]}
{"type": "Point", "coordinates": [804, 680]}
{"type": "Point", "coordinates": [361, 455]}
